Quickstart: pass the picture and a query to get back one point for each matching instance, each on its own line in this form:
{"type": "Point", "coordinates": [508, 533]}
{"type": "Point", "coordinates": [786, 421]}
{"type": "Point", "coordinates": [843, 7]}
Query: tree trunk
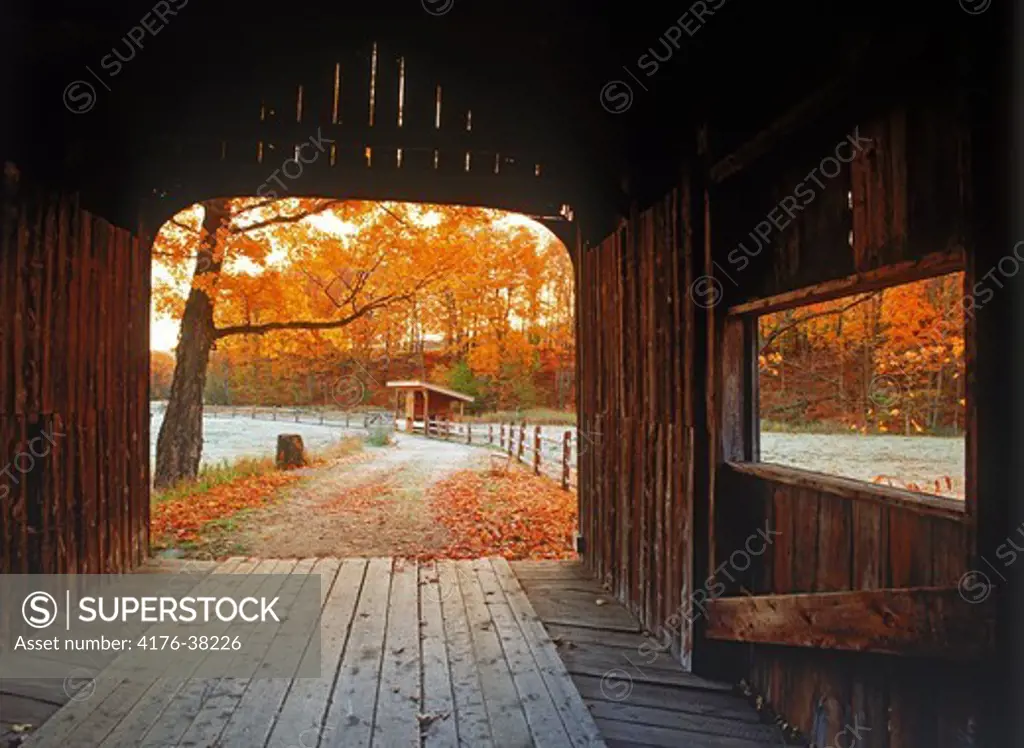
{"type": "Point", "coordinates": [180, 443]}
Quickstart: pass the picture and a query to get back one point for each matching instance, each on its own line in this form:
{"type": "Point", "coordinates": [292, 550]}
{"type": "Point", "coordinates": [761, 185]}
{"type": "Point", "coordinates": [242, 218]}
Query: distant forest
{"type": "Point", "coordinates": [545, 380]}
{"type": "Point", "coordinates": [891, 361]}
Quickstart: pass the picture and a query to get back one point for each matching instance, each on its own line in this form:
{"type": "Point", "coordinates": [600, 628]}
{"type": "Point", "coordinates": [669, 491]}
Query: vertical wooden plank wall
{"type": "Point", "coordinates": [74, 406]}
{"type": "Point", "coordinates": [637, 431]}
{"type": "Point", "coordinates": [637, 396]}
{"type": "Point", "coordinates": [831, 538]}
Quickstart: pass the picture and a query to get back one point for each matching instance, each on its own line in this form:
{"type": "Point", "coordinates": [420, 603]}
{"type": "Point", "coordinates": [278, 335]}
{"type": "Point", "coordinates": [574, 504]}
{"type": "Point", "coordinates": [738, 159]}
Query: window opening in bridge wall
{"type": "Point", "coordinates": [869, 386]}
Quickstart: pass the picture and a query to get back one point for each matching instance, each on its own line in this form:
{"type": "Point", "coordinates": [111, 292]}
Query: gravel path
{"type": "Point", "coordinates": [371, 504]}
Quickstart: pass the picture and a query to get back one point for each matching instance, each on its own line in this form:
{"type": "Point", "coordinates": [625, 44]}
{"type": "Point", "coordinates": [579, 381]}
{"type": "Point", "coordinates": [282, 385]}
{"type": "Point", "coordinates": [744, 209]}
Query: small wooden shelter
{"type": "Point", "coordinates": [423, 400]}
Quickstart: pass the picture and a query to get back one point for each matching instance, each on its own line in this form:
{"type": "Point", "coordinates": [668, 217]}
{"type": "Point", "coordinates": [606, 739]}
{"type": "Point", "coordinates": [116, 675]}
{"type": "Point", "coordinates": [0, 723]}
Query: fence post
{"type": "Point", "coordinates": [501, 435]}
{"type": "Point", "coordinates": [536, 450]}
{"type": "Point", "coordinates": [469, 433]}
{"type": "Point", "coordinates": [490, 434]}
{"type": "Point", "coordinates": [566, 456]}
{"type": "Point", "coordinates": [321, 418]}
{"type": "Point", "coordinates": [296, 415]}
{"type": "Point", "coordinates": [346, 420]}
{"type": "Point", "coordinates": [522, 440]}
{"type": "Point", "coordinates": [511, 440]}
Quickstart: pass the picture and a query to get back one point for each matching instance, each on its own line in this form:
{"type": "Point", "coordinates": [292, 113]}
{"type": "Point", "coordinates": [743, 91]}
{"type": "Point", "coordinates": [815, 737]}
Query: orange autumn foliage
{"type": "Point", "coordinates": [181, 519]}
{"type": "Point", "coordinates": [466, 287]}
{"type": "Point", "coordinates": [889, 361]}
{"type": "Point", "coordinates": [515, 515]}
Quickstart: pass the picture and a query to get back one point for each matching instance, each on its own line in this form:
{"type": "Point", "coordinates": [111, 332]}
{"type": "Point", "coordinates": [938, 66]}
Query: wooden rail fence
{"type": "Point", "coordinates": [555, 458]}
{"type": "Point", "coordinates": [522, 443]}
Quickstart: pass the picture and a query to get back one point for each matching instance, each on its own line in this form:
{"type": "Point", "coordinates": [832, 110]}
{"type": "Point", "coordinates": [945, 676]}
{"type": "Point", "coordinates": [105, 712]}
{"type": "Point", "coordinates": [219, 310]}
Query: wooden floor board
{"type": "Point", "coordinates": [504, 709]}
{"type": "Point", "coordinates": [102, 703]}
{"type": "Point", "coordinates": [637, 693]}
{"type": "Point", "coordinates": [218, 704]}
{"type": "Point", "coordinates": [354, 700]}
{"type": "Point", "coordinates": [470, 710]}
{"type": "Point", "coordinates": [302, 718]}
{"type": "Point", "coordinates": [575, 717]}
{"type": "Point", "coordinates": [438, 727]}
{"type": "Point", "coordinates": [398, 688]}
{"type": "Point", "coordinates": [665, 737]}
{"type": "Point", "coordinates": [453, 653]}
{"type": "Point", "coordinates": [534, 696]}
{"type": "Point", "coordinates": [254, 717]}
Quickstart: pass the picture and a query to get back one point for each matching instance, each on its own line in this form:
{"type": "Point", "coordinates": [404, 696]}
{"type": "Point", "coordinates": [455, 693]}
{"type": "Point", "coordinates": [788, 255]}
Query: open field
{"type": "Point", "coordinates": [896, 460]}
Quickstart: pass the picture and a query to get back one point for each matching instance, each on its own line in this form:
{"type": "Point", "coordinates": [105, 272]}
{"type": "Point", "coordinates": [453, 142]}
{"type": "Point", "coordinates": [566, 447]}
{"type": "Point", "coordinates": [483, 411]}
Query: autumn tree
{"type": "Point", "coordinates": [890, 360]}
{"type": "Point", "coordinates": [264, 266]}
{"type": "Point", "coordinates": [161, 371]}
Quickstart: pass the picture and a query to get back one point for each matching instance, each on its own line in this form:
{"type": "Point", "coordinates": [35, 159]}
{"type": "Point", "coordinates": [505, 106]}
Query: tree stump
{"type": "Point", "coordinates": [290, 452]}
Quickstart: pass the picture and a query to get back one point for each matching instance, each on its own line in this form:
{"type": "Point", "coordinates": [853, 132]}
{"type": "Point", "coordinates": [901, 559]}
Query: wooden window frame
{"type": "Point", "coordinates": [740, 423]}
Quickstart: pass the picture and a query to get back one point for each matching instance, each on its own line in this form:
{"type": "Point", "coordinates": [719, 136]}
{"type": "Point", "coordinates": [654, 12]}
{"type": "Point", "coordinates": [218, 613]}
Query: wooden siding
{"type": "Point", "coordinates": [908, 210]}
{"type": "Point", "coordinates": [828, 542]}
{"type": "Point", "coordinates": [636, 427]}
{"type": "Point", "coordinates": [903, 200]}
{"type": "Point", "coordinates": [74, 357]}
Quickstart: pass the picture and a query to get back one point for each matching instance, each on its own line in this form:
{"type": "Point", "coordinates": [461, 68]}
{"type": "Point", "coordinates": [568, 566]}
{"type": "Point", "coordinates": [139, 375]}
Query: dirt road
{"type": "Point", "coordinates": [372, 505]}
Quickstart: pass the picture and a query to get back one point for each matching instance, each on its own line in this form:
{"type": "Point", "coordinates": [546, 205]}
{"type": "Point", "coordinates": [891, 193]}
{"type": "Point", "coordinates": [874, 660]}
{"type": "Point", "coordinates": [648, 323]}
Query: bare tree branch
{"type": "Point", "coordinates": [279, 220]}
{"type": "Point", "coordinates": [397, 217]}
{"type": "Point", "coordinates": [185, 227]}
{"type": "Point", "coordinates": [786, 328]}
{"type": "Point", "coordinates": [328, 324]}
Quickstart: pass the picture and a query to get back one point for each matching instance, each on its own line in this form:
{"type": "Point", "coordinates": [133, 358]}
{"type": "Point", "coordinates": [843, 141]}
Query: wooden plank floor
{"type": "Point", "coordinates": [638, 697]}
{"type": "Point", "coordinates": [446, 654]}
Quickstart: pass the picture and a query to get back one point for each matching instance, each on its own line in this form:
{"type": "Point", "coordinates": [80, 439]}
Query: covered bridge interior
{"type": "Point", "coordinates": [652, 140]}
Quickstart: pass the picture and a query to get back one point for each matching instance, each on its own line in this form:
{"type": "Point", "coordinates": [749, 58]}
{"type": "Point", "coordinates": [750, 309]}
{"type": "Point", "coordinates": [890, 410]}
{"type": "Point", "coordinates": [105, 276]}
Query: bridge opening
{"type": "Point", "coordinates": [400, 342]}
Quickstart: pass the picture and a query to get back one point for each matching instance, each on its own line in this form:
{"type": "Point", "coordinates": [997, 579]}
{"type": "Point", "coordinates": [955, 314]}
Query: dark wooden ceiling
{"type": "Point", "coordinates": [533, 72]}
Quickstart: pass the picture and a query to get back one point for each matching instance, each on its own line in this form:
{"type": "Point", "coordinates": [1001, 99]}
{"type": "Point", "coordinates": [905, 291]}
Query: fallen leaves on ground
{"type": "Point", "coordinates": [516, 515]}
{"type": "Point", "coordinates": [363, 497]}
{"type": "Point", "coordinates": [943, 486]}
{"type": "Point", "coordinates": [182, 519]}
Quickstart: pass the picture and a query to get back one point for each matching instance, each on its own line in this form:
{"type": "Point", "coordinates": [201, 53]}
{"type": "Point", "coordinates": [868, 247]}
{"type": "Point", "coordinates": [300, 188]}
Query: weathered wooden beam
{"type": "Point", "coordinates": [938, 263]}
{"type": "Point", "coordinates": [855, 490]}
{"type": "Point", "coordinates": [916, 622]}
